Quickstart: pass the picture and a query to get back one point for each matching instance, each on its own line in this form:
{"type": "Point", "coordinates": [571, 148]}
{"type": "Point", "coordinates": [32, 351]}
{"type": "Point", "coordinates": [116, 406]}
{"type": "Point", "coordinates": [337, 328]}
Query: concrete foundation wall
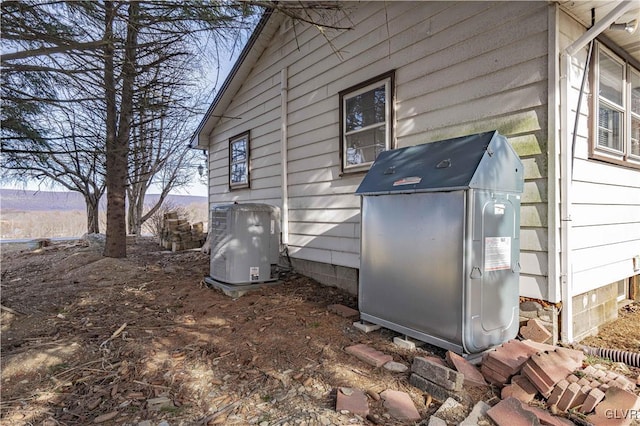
{"type": "Point", "coordinates": [593, 309]}
{"type": "Point", "coordinates": [342, 277]}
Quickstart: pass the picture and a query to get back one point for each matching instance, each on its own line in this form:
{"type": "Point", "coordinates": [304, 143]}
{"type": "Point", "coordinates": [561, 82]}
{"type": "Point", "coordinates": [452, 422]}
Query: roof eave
{"type": "Point", "coordinates": [257, 43]}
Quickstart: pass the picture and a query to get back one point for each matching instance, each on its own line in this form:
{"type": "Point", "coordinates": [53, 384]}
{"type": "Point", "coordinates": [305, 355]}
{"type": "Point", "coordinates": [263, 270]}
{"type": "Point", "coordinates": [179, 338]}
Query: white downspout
{"type": "Point", "coordinates": [565, 212]}
{"type": "Point", "coordinates": [566, 163]}
{"type": "Point", "coordinates": [284, 124]}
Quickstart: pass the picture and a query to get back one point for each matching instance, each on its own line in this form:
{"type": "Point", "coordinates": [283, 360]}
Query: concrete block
{"type": "Point", "coordinates": [477, 413]}
{"type": "Point", "coordinates": [369, 355]}
{"type": "Point", "coordinates": [451, 410]}
{"type": "Point", "coordinates": [438, 392]}
{"type": "Point", "coordinates": [366, 327]}
{"type": "Point", "coordinates": [400, 405]}
{"type": "Point", "coordinates": [352, 400]}
{"type": "Point", "coordinates": [436, 421]}
{"type": "Point", "coordinates": [404, 343]}
{"type": "Point", "coordinates": [438, 374]}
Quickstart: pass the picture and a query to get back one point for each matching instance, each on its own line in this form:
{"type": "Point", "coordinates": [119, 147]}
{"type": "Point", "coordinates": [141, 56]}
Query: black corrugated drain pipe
{"type": "Point", "coordinates": [616, 355]}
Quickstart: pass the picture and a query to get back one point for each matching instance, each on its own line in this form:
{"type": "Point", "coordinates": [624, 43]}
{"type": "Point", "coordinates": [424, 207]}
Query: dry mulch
{"type": "Point", "coordinates": [94, 340]}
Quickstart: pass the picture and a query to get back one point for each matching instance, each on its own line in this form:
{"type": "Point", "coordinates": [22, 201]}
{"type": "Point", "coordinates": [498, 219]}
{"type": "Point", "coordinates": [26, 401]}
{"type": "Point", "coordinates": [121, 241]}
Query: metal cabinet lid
{"type": "Point", "coordinates": [482, 161]}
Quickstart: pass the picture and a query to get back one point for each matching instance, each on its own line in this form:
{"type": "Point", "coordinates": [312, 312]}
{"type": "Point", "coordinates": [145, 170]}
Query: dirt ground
{"type": "Point", "coordinates": [88, 340]}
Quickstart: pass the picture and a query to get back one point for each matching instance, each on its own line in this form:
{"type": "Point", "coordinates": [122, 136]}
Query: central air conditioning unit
{"type": "Point", "coordinates": [245, 247]}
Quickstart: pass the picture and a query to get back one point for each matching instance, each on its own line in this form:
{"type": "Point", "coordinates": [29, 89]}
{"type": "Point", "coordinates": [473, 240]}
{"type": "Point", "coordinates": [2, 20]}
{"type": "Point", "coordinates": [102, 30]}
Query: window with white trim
{"type": "Point", "coordinates": [239, 161]}
{"type": "Point", "coordinates": [617, 109]}
{"type": "Point", "coordinates": [366, 122]}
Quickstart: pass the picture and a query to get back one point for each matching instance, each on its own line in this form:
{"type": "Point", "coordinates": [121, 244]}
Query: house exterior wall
{"type": "Point", "coordinates": [604, 210]}
{"type": "Point", "coordinates": [460, 68]}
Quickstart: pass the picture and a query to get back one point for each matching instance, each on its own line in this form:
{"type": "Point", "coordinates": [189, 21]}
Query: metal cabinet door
{"type": "Point", "coordinates": [493, 270]}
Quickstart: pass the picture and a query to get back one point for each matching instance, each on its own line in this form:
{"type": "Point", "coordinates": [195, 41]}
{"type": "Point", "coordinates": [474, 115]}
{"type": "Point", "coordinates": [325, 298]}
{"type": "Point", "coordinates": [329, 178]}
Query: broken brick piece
{"type": "Point", "coordinates": [613, 407]}
{"type": "Point", "coordinates": [352, 400]}
{"type": "Point", "coordinates": [369, 355]}
{"type": "Point", "coordinates": [472, 376]}
{"type": "Point", "coordinates": [400, 405]}
{"type": "Point", "coordinates": [343, 311]}
{"type": "Point", "coordinates": [510, 412]}
{"type": "Point", "coordinates": [536, 331]}
{"type": "Point", "coordinates": [520, 388]}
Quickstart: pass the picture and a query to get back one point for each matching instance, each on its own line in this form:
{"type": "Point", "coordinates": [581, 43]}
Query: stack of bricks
{"type": "Point", "coordinates": [525, 369]}
{"type": "Point", "coordinates": [178, 234]}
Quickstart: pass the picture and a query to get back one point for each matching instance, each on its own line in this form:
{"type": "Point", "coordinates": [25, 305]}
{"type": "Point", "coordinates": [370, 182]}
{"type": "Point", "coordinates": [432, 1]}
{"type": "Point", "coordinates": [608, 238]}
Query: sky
{"type": "Point", "coordinates": [215, 77]}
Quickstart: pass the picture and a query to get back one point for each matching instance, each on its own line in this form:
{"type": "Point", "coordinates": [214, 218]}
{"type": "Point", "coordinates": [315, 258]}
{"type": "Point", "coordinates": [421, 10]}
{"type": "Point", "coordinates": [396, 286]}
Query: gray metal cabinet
{"type": "Point", "coordinates": [440, 242]}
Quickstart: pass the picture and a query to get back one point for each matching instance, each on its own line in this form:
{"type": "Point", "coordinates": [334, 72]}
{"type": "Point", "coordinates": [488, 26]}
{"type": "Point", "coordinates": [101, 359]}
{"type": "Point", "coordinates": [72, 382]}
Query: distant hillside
{"type": "Point", "coordinates": [40, 214]}
{"type": "Point", "coordinates": [23, 200]}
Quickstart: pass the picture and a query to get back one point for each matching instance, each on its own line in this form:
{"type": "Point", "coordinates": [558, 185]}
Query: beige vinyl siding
{"type": "Point", "coordinates": [605, 211]}
{"type": "Point", "coordinates": [460, 68]}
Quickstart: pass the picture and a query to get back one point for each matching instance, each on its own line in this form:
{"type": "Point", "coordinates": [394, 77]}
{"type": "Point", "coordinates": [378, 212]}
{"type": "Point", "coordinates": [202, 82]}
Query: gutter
{"type": "Point", "coordinates": [567, 140]}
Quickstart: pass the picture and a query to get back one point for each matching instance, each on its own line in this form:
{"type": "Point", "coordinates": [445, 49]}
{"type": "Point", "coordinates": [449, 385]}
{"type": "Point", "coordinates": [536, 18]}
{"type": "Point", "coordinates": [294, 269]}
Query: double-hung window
{"type": "Point", "coordinates": [239, 150]}
{"type": "Point", "coordinates": [366, 115]}
{"type": "Point", "coordinates": [617, 109]}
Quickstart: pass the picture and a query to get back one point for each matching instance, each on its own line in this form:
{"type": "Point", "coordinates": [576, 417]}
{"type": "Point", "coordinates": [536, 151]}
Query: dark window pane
{"type": "Point", "coordinates": [365, 109]}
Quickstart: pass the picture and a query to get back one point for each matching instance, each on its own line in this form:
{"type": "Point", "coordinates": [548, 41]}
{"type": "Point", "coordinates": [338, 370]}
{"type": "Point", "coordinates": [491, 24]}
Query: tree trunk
{"type": "Point", "coordinates": [118, 144]}
{"type": "Point", "coordinates": [93, 206]}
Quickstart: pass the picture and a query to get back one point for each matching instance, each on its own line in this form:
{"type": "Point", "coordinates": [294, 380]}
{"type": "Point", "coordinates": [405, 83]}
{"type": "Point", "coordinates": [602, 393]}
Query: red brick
{"type": "Point", "coordinates": [510, 412]}
{"type": "Point", "coordinates": [520, 388]}
{"type": "Point", "coordinates": [543, 387]}
{"type": "Point", "coordinates": [576, 356]}
{"type": "Point", "coordinates": [343, 311]}
{"type": "Point", "coordinates": [568, 396]}
{"type": "Point", "coordinates": [508, 358]}
{"type": "Point", "coordinates": [492, 376]}
{"type": "Point", "coordinates": [583, 381]}
{"type": "Point", "coordinates": [539, 347]}
{"type": "Point", "coordinates": [616, 408]}
{"type": "Point", "coordinates": [369, 355]}
{"type": "Point", "coordinates": [352, 400]}
{"type": "Point", "coordinates": [400, 405]}
{"type": "Point", "coordinates": [593, 399]}
{"type": "Point", "coordinates": [550, 366]}
{"type": "Point", "coordinates": [472, 376]}
{"type": "Point", "coordinates": [557, 392]}
{"type": "Point", "coordinates": [546, 418]}
{"type": "Point", "coordinates": [622, 383]}
{"type": "Point", "coordinates": [536, 331]}
{"type": "Point", "coordinates": [581, 396]}
{"type": "Point", "coordinates": [572, 378]}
